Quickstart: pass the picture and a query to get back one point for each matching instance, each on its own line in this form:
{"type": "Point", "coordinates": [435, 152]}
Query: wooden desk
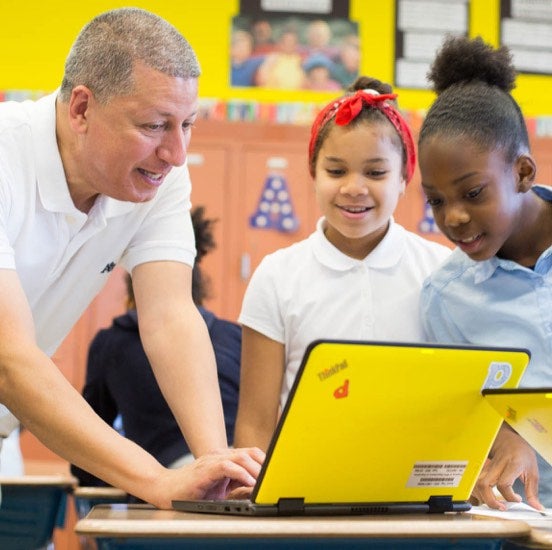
{"type": "Point", "coordinates": [111, 493]}
{"type": "Point", "coordinates": [59, 480]}
{"type": "Point", "coordinates": [541, 534]}
{"type": "Point", "coordinates": [88, 497]}
{"type": "Point", "coordinates": [141, 526]}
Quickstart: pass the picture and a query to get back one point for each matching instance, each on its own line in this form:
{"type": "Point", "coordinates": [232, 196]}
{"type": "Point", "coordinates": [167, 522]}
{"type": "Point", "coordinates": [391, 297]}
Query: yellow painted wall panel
{"type": "Point", "coordinates": [36, 36]}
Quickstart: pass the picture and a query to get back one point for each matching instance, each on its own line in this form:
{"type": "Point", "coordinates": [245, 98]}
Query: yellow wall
{"type": "Point", "coordinates": [36, 35]}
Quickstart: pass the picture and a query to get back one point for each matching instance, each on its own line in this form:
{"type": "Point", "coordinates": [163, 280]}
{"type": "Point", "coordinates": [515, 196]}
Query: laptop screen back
{"type": "Point", "coordinates": [529, 412]}
{"type": "Point", "coordinates": [381, 422]}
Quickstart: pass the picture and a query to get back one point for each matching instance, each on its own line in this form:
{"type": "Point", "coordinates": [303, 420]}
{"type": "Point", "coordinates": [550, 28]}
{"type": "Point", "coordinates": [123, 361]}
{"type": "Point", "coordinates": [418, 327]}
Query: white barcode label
{"type": "Point", "coordinates": [437, 474]}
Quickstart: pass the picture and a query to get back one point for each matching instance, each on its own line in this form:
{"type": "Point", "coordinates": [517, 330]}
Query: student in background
{"type": "Point", "coordinates": [358, 276]}
{"type": "Point", "coordinates": [283, 67]}
{"type": "Point", "coordinates": [319, 40]}
{"type": "Point", "coordinates": [91, 176]}
{"type": "Point", "coordinates": [120, 380]}
{"type": "Point", "coordinates": [318, 70]}
{"type": "Point", "coordinates": [244, 65]}
{"type": "Point", "coordinates": [346, 65]}
{"type": "Point", "coordinates": [263, 40]}
{"type": "Point", "coordinates": [496, 288]}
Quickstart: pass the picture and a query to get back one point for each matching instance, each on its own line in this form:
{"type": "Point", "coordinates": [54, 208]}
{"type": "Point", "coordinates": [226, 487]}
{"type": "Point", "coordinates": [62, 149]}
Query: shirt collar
{"type": "Point", "coordinates": [51, 182]}
{"type": "Point", "coordinates": [484, 270]}
{"type": "Point", "coordinates": [386, 254]}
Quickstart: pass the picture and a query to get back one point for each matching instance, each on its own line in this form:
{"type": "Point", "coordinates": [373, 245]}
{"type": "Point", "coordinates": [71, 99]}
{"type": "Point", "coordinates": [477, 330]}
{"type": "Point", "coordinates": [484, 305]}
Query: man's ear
{"type": "Point", "coordinates": [526, 169]}
{"type": "Point", "coordinates": [79, 103]}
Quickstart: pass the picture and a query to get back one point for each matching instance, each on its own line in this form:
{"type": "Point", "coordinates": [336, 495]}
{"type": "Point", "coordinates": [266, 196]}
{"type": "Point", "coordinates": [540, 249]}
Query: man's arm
{"type": "Point", "coordinates": [44, 401]}
{"type": "Point", "coordinates": [178, 346]}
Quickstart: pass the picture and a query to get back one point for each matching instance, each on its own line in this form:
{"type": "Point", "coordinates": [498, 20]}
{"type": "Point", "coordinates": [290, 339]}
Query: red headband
{"type": "Point", "coordinates": [349, 107]}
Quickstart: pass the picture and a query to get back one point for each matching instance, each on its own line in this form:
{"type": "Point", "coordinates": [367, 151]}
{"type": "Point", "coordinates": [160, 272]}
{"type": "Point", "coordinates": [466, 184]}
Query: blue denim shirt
{"type": "Point", "coordinates": [496, 302]}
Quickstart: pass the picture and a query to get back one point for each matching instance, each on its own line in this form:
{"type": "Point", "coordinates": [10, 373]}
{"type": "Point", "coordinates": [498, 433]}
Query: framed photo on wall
{"type": "Point", "coordinates": [300, 45]}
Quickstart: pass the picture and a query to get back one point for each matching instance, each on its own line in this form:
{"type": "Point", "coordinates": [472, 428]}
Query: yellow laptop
{"type": "Point", "coordinates": [529, 412]}
{"type": "Point", "coordinates": [379, 427]}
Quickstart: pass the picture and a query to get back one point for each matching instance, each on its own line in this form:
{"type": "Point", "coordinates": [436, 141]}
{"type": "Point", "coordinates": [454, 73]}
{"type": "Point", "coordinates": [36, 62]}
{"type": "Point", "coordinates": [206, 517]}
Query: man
{"type": "Point", "coordinates": [91, 177]}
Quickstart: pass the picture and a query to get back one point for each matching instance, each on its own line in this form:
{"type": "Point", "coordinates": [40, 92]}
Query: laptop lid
{"type": "Point", "coordinates": [386, 422]}
{"type": "Point", "coordinates": [529, 412]}
{"type": "Point", "coordinates": [370, 423]}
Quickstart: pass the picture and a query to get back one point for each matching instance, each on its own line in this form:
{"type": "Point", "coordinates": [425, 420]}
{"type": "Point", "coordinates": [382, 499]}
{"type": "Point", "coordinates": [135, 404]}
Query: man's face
{"type": "Point", "coordinates": [127, 146]}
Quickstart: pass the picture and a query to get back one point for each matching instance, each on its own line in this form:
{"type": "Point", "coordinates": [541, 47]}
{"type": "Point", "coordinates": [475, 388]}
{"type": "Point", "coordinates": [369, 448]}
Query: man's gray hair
{"type": "Point", "coordinates": [102, 57]}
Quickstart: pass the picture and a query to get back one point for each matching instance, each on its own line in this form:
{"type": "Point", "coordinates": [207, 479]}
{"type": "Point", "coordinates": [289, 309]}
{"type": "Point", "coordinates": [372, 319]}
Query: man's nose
{"type": "Point", "coordinates": [173, 148]}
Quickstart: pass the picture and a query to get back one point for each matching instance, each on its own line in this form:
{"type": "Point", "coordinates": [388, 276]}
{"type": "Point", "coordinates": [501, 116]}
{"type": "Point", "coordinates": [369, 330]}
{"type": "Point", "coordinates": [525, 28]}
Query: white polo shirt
{"type": "Point", "coordinates": [63, 257]}
{"type": "Point", "coordinates": [311, 290]}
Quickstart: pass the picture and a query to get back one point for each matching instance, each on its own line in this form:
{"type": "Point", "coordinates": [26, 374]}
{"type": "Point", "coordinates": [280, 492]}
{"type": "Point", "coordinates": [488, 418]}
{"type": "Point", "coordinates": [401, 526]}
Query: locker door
{"type": "Point", "coordinates": [208, 165]}
{"type": "Point", "coordinates": [263, 166]}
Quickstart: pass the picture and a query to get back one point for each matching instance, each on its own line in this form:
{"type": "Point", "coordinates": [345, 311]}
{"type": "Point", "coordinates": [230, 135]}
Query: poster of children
{"type": "Point", "coordinates": [294, 52]}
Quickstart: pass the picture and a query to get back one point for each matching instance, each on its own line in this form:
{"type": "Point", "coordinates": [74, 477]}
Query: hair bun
{"type": "Point", "coordinates": [461, 59]}
{"type": "Point", "coordinates": [365, 82]}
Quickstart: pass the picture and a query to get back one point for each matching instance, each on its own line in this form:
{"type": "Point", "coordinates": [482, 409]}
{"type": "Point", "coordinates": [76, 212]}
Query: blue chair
{"type": "Point", "coordinates": [31, 508]}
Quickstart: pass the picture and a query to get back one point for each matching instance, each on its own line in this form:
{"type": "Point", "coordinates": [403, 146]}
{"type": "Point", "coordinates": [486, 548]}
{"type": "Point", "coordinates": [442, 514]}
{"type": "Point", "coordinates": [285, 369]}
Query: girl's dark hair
{"type": "Point", "coordinates": [367, 114]}
{"type": "Point", "coordinates": [205, 242]}
{"type": "Point", "coordinates": [367, 82]}
{"type": "Point", "coordinates": [473, 82]}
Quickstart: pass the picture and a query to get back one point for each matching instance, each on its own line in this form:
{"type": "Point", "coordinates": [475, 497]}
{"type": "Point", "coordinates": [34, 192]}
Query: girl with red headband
{"type": "Point", "coordinates": [357, 277]}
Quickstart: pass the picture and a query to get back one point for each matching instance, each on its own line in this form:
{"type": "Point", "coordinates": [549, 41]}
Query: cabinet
{"type": "Point", "coordinates": [230, 164]}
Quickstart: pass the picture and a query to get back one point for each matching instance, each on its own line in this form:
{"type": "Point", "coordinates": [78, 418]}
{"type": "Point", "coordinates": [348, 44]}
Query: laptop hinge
{"type": "Point", "coordinates": [291, 506]}
{"type": "Point", "coordinates": [440, 503]}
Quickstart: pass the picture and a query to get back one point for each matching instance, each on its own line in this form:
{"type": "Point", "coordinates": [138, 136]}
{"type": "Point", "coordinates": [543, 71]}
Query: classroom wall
{"type": "Point", "coordinates": [36, 36]}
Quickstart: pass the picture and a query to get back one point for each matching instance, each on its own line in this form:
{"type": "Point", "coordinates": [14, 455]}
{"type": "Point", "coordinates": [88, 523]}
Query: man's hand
{"type": "Point", "coordinates": [211, 476]}
{"type": "Point", "coordinates": [511, 457]}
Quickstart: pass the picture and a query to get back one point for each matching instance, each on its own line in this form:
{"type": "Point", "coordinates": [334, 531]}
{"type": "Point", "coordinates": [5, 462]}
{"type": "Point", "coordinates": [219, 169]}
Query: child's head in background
{"type": "Point", "coordinates": [474, 156]}
{"type": "Point", "coordinates": [361, 156]}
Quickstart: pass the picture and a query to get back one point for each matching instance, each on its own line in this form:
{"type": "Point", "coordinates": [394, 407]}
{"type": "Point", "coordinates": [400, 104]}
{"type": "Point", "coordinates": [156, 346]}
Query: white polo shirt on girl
{"type": "Point", "coordinates": [311, 290]}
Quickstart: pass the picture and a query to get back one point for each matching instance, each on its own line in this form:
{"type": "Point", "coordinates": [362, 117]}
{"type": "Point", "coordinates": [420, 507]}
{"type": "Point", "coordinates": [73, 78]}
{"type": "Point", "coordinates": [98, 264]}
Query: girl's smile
{"type": "Point", "coordinates": [358, 182]}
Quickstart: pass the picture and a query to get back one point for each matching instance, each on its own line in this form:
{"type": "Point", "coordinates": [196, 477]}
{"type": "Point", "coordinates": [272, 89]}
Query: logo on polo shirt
{"type": "Point", "coordinates": [109, 267]}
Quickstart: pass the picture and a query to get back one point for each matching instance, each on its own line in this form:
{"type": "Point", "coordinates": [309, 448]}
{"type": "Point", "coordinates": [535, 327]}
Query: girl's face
{"type": "Point", "coordinates": [358, 182]}
{"type": "Point", "coordinates": [476, 196]}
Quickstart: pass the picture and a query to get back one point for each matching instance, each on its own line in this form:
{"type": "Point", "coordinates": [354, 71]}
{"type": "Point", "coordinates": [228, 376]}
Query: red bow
{"type": "Point", "coordinates": [351, 106]}
{"type": "Point", "coordinates": [348, 108]}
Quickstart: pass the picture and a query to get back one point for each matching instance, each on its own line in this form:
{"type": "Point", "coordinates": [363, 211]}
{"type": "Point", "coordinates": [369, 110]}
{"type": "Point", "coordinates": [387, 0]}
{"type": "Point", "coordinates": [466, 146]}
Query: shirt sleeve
{"type": "Point", "coordinates": [167, 232]}
{"type": "Point", "coordinates": [7, 255]}
{"type": "Point", "coordinates": [262, 302]}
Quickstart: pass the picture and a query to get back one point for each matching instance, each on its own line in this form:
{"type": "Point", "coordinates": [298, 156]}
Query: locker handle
{"type": "Point", "coordinates": [245, 266]}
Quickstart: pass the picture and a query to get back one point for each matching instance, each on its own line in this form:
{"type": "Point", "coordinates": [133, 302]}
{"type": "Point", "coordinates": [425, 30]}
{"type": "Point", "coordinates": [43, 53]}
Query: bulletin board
{"type": "Point", "coordinates": [526, 28]}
